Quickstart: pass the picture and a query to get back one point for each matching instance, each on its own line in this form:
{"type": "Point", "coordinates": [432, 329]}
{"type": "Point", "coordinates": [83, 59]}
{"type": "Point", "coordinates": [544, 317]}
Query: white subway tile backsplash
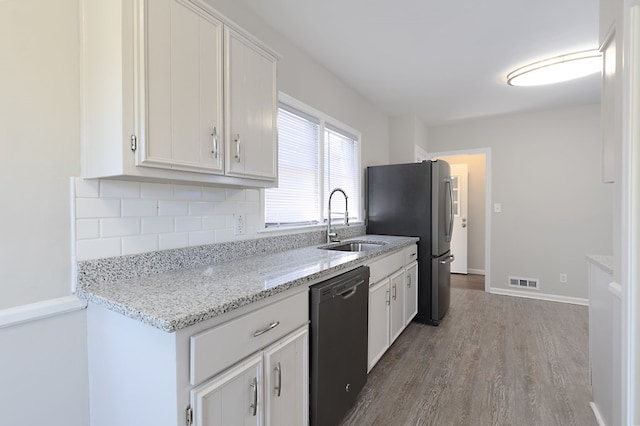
{"type": "Point", "coordinates": [200, 238]}
{"type": "Point", "coordinates": [157, 225]}
{"type": "Point", "coordinates": [97, 208]}
{"type": "Point", "coordinates": [187, 192]}
{"type": "Point", "coordinates": [236, 194]}
{"type": "Point", "coordinates": [200, 208]}
{"type": "Point", "coordinates": [87, 188]}
{"type": "Point", "coordinates": [95, 249]}
{"type": "Point", "coordinates": [118, 227]}
{"type": "Point", "coordinates": [173, 208]}
{"type": "Point", "coordinates": [215, 222]}
{"type": "Point", "coordinates": [157, 191]}
{"type": "Point", "coordinates": [188, 223]}
{"type": "Point", "coordinates": [87, 228]}
{"type": "Point", "coordinates": [139, 244]}
{"type": "Point", "coordinates": [119, 189]}
{"type": "Point", "coordinates": [139, 207]}
{"type": "Point", "coordinates": [120, 217]}
{"type": "Point", "coordinates": [252, 195]}
{"type": "Point", "coordinates": [174, 240]}
{"type": "Point", "coordinates": [214, 194]}
{"type": "Point", "coordinates": [224, 235]}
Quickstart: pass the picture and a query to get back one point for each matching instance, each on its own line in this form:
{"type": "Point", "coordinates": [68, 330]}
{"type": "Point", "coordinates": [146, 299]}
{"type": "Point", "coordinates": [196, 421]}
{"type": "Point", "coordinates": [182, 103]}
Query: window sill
{"type": "Point", "coordinates": [304, 228]}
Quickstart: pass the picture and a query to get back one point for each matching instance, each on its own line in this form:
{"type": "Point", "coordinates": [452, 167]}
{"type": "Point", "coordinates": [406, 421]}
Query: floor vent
{"type": "Point", "coordinates": [520, 282]}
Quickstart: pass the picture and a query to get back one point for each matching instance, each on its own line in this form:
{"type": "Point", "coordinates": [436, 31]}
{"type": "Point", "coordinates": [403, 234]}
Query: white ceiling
{"type": "Point", "coordinates": [443, 60]}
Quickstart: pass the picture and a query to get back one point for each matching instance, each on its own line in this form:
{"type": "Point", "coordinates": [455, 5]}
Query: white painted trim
{"type": "Point", "coordinates": [615, 289]}
{"type": "Point", "coordinates": [73, 245]}
{"type": "Point", "coordinates": [487, 200]}
{"type": "Point", "coordinates": [597, 414]}
{"type": "Point", "coordinates": [40, 310]}
{"type": "Point", "coordinates": [541, 296]}
{"type": "Point", "coordinates": [475, 271]}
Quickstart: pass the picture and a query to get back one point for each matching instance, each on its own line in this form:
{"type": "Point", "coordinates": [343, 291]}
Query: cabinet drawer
{"type": "Point", "coordinates": [386, 266]}
{"type": "Point", "coordinates": [215, 349]}
{"type": "Point", "coordinates": [410, 254]}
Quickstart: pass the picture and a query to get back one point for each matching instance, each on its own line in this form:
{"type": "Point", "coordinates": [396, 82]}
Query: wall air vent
{"type": "Point", "coordinates": [530, 283]}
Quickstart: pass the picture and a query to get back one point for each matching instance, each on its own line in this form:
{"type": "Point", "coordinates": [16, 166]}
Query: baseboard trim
{"type": "Point", "coordinates": [475, 271]}
{"type": "Point", "coordinates": [597, 414]}
{"type": "Point", "coordinates": [40, 310]}
{"type": "Point", "coordinates": [541, 296]}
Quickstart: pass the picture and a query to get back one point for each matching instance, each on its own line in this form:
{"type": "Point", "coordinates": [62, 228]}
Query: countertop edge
{"type": "Point", "coordinates": [184, 321]}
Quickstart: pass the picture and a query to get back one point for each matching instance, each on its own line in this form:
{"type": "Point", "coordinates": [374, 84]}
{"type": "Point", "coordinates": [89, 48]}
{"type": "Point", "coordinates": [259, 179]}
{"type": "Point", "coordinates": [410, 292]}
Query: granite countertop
{"type": "Point", "coordinates": [175, 300]}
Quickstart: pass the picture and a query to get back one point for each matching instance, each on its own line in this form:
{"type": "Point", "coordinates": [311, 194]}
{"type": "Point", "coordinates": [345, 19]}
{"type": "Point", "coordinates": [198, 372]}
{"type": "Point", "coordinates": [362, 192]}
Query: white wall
{"type": "Point", "coordinates": [546, 174]}
{"type": "Point", "coordinates": [405, 132]}
{"type": "Point", "coordinates": [43, 365]}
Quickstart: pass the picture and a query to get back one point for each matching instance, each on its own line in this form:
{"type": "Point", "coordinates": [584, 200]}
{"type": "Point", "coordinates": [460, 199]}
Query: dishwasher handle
{"type": "Point", "coordinates": [349, 291]}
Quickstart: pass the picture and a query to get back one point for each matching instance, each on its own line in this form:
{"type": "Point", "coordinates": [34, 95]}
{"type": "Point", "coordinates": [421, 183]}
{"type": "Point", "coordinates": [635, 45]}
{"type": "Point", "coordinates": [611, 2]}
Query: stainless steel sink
{"type": "Point", "coordinates": [354, 246]}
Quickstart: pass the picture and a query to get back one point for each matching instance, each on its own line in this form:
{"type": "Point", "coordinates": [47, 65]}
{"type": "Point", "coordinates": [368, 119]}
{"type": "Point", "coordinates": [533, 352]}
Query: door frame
{"type": "Point", "coordinates": [487, 199]}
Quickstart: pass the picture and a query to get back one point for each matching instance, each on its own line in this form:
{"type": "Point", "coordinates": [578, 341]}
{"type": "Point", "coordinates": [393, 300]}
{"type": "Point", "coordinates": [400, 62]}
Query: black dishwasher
{"type": "Point", "coordinates": [338, 344]}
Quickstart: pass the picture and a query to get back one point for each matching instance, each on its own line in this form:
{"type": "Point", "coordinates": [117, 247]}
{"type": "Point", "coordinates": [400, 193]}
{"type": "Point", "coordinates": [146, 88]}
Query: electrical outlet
{"type": "Point", "coordinates": [563, 278]}
{"type": "Point", "coordinates": [497, 208]}
{"type": "Point", "coordinates": [240, 224]}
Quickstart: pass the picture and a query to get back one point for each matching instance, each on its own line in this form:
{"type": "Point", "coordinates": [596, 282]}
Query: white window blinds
{"type": "Point", "coordinates": [341, 170]}
{"type": "Point", "coordinates": [296, 199]}
{"type": "Point", "coordinates": [314, 157]}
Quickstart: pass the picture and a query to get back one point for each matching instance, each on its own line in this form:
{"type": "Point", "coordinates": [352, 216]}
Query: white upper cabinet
{"type": "Point", "coordinates": [184, 88]}
{"type": "Point", "coordinates": [172, 91]}
{"type": "Point", "coordinates": [251, 108]}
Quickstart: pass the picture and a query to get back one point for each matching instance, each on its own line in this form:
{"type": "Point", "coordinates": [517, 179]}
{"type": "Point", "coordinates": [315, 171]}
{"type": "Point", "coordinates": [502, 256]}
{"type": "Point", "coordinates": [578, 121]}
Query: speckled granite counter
{"type": "Point", "coordinates": [174, 300]}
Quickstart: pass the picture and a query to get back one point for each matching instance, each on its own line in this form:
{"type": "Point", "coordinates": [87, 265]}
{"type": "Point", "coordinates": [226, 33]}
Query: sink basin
{"type": "Point", "coordinates": [354, 246]}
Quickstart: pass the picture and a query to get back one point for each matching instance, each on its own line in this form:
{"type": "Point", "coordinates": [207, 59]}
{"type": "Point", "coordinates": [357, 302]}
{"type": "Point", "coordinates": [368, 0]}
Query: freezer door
{"type": "Point", "coordinates": [441, 207]}
{"type": "Point", "coordinates": [441, 292]}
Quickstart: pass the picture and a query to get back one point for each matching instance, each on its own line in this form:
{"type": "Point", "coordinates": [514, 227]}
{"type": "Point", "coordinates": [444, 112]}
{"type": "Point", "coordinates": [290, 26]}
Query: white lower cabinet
{"type": "Point", "coordinates": [270, 387]}
{"type": "Point", "coordinates": [393, 300]}
{"type": "Point", "coordinates": [411, 296]}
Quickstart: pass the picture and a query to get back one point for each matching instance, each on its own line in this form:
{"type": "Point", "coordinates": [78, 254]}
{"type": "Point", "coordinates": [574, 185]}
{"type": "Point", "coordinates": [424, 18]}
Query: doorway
{"type": "Point", "coordinates": [475, 222]}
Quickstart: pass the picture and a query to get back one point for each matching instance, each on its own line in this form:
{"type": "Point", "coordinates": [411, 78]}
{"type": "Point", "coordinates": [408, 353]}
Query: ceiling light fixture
{"type": "Point", "coordinates": [557, 69]}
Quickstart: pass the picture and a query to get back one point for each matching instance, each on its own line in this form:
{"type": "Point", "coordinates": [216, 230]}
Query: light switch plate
{"type": "Point", "coordinates": [497, 208]}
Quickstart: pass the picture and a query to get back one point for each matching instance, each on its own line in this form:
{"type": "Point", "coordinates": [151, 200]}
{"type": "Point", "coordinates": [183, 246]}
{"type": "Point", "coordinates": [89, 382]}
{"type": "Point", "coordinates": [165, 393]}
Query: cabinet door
{"type": "Point", "coordinates": [183, 96]}
{"type": "Point", "coordinates": [251, 105]}
{"type": "Point", "coordinates": [286, 380]}
{"type": "Point", "coordinates": [396, 315]}
{"type": "Point", "coordinates": [411, 296]}
{"type": "Point", "coordinates": [232, 398]}
{"type": "Point", "coordinates": [378, 321]}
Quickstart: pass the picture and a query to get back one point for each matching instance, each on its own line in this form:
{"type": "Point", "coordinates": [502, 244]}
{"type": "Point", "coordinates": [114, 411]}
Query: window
{"type": "Point", "coordinates": [315, 155]}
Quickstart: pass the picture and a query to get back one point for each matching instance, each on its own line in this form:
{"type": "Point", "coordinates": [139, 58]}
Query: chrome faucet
{"type": "Point", "coordinates": [331, 235]}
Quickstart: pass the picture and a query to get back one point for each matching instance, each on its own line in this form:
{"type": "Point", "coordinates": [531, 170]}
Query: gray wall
{"type": "Point", "coordinates": [546, 173]}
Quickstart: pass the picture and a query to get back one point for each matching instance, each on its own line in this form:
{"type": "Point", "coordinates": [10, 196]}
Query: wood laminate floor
{"type": "Point", "coordinates": [494, 360]}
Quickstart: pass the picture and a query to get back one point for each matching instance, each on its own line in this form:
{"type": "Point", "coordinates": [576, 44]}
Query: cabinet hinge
{"type": "Point", "coordinates": [189, 415]}
{"type": "Point", "coordinates": [134, 142]}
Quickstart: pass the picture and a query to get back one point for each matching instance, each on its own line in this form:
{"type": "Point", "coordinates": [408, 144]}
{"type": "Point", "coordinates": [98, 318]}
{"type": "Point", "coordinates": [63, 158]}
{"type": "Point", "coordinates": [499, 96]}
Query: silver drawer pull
{"type": "Point", "coordinates": [270, 327]}
{"type": "Point", "coordinates": [278, 389]}
{"type": "Point", "coordinates": [254, 393]}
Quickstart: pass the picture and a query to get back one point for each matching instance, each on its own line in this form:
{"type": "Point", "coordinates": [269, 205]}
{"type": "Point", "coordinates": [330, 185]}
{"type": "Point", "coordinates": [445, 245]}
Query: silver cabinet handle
{"type": "Point", "coordinates": [394, 292]}
{"type": "Point", "coordinates": [214, 140]}
{"type": "Point", "coordinates": [254, 391]}
{"type": "Point", "coordinates": [237, 141]}
{"type": "Point", "coordinates": [278, 388]}
{"type": "Point", "coordinates": [264, 330]}
{"type": "Point", "coordinates": [388, 299]}
{"type": "Point", "coordinates": [409, 280]}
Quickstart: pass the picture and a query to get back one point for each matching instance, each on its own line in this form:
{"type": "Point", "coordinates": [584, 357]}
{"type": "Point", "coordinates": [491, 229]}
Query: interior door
{"type": "Point", "coordinates": [459, 240]}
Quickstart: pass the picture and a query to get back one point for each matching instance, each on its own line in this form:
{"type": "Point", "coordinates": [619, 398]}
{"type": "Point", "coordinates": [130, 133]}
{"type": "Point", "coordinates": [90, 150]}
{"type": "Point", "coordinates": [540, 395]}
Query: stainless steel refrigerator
{"type": "Point", "coordinates": [416, 200]}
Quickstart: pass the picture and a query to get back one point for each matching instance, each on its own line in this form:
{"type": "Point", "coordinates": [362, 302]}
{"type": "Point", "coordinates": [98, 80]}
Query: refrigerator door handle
{"type": "Point", "coordinates": [451, 214]}
{"type": "Point", "coordinates": [448, 259]}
